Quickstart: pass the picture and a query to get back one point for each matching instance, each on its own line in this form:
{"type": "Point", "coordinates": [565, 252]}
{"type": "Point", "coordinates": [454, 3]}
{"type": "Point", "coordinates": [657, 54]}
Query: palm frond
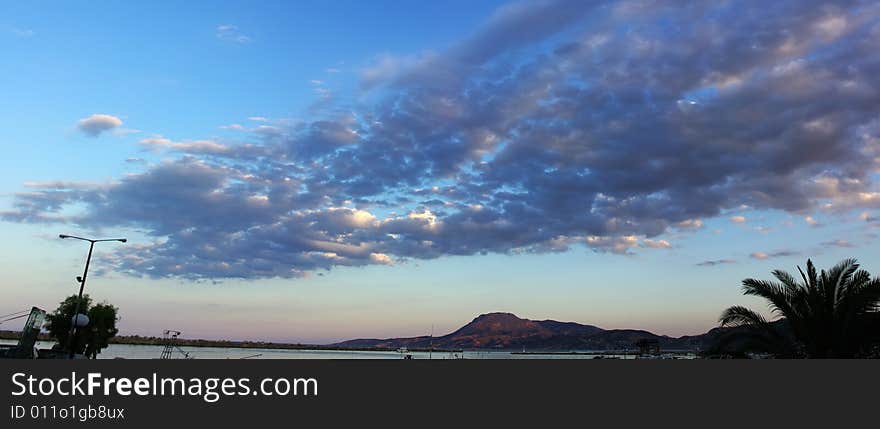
{"type": "Point", "coordinates": [740, 316]}
{"type": "Point", "coordinates": [777, 294]}
{"type": "Point", "coordinates": [791, 285]}
{"type": "Point", "coordinates": [864, 296]}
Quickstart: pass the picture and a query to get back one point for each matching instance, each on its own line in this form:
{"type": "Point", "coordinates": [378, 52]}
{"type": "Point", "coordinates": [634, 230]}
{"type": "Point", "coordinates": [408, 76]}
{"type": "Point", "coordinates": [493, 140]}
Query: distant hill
{"type": "Point", "coordinates": [506, 331]}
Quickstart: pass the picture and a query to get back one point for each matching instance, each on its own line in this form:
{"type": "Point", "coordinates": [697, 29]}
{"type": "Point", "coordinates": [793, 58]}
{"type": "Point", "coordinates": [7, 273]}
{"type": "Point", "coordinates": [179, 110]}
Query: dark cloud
{"type": "Point", "coordinates": [557, 124]}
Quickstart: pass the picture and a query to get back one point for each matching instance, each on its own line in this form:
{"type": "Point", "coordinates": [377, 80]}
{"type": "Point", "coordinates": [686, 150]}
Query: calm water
{"type": "Point", "coordinates": [129, 351]}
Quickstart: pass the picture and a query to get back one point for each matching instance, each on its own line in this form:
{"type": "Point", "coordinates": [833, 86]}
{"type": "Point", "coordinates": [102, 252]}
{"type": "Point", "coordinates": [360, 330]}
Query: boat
{"type": "Point", "coordinates": [405, 353]}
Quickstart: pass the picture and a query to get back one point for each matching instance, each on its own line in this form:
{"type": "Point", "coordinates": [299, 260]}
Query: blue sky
{"type": "Point", "coordinates": [323, 171]}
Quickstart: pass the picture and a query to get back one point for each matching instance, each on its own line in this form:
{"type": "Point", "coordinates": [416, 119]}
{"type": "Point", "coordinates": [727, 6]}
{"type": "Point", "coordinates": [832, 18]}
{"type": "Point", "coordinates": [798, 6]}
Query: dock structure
{"type": "Point", "coordinates": [170, 340]}
{"type": "Point", "coordinates": [26, 347]}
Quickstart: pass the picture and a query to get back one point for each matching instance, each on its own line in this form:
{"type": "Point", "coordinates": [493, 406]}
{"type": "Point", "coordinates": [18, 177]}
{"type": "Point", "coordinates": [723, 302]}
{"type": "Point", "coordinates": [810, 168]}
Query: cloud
{"type": "Point", "coordinates": [381, 258]}
{"type": "Point", "coordinates": [776, 254]}
{"type": "Point", "coordinates": [620, 245]}
{"type": "Point", "coordinates": [230, 33]}
{"type": "Point", "coordinates": [690, 224]}
{"type": "Point", "coordinates": [738, 219]}
{"type": "Point", "coordinates": [385, 68]}
{"type": "Point", "coordinates": [235, 127]}
{"type": "Point", "coordinates": [98, 123]}
{"type": "Point", "coordinates": [511, 27]}
{"type": "Point", "coordinates": [813, 222]}
{"type": "Point", "coordinates": [838, 243]}
{"type": "Point", "coordinates": [205, 147]}
{"type": "Point", "coordinates": [715, 262]}
{"type": "Point", "coordinates": [555, 125]}
{"type": "Point", "coordinates": [194, 147]}
{"type": "Point", "coordinates": [656, 244]}
{"type": "Point", "coordinates": [60, 185]}
{"type": "Point", "coordinates": [21, 32]}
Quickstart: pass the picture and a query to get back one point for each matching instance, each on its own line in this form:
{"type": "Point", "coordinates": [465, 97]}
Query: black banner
{"type": "Point", "coordinates": [458, 393]}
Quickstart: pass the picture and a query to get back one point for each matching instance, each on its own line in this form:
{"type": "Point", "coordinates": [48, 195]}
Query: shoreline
{"type": "Point", "coordinates": [201, 343]}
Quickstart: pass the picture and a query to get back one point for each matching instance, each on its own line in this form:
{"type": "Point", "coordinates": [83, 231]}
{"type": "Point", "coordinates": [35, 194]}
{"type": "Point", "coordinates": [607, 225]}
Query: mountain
{"type": "Point", "coordinates": [506, 331]}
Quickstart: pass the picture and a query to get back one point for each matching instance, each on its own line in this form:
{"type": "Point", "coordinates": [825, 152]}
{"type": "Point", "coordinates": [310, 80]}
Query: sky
{"type": "Point", "coordinates": [320, 171]}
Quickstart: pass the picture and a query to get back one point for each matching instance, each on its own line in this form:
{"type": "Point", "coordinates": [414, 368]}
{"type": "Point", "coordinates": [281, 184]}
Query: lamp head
{"type": "Point", "coordinates": [63, 236]}
{"type": "Point", "coordinates": [80, 320]}
{"type": "Point", "coordinates": [123, 240]}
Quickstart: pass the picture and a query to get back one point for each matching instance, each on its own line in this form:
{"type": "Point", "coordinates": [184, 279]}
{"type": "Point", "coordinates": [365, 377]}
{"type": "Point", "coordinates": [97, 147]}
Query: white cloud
{"type": "Point", "coordinates": [196, 146]}
{"type": "Point", "coordinates": [831, 27]}
{"type": "Point", "coordinates": [21, 32]}
{"type": "Point", "coordinates": [230, 33]}
{"type": "Point", "coordinates": [738, 219]}
{"type": "Point", "coordinates": [156, 141]}
{"type": "Point", "coordinates": [381, 258]}
{"type": "Point", "coordinates": [268, 130]}
{"type": "Point", "coordinates": [690, 224]}
{"type": "Point", "coordinates": [619, 245]}
{"type": "Point", "coordinates": [656, 244]}
{"type": "Point", "coordinates": [98, 123]}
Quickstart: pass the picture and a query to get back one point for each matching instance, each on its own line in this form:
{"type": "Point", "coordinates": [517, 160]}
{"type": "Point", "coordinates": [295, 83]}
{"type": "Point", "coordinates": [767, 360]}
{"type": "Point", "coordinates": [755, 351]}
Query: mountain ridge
{"type": "Point", "coordinates": [506, 331]}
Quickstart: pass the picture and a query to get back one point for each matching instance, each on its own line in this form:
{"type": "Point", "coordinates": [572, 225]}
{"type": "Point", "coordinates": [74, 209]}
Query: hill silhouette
{"type": "Point", "coordinates": [506, 331]}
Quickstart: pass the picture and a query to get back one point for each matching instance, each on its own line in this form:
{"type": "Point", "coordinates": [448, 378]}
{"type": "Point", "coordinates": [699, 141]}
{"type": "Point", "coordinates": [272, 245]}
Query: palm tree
{"type": "Point", "coordinates": [831, 314]}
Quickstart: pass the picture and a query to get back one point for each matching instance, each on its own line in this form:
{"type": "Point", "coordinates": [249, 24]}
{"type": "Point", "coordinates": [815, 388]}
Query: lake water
{"type": "Point", "coordinates": [131, 351]}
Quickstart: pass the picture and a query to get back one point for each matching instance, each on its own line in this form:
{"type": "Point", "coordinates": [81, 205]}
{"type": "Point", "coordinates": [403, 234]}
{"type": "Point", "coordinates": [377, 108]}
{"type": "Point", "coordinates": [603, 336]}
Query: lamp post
{"type": "Point", "coordinates": [82, 284]}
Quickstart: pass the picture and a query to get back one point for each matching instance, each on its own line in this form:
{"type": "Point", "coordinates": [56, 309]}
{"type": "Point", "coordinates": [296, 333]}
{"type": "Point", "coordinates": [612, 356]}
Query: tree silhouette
{"type": "Point", "coordinates": [91, 339]}
{"type": "Point", "coordinates": [831, 314]}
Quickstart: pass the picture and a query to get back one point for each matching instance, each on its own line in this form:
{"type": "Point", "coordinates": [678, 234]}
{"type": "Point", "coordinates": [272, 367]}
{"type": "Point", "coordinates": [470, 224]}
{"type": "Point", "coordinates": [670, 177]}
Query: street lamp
{"type": "Point", "coordinates": [82, 284]}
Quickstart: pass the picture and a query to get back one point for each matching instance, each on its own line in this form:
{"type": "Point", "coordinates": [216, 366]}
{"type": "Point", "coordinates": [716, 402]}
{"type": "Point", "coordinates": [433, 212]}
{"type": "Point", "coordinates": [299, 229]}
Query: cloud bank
{"type": "Point", "coordinates": [556, 124]}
